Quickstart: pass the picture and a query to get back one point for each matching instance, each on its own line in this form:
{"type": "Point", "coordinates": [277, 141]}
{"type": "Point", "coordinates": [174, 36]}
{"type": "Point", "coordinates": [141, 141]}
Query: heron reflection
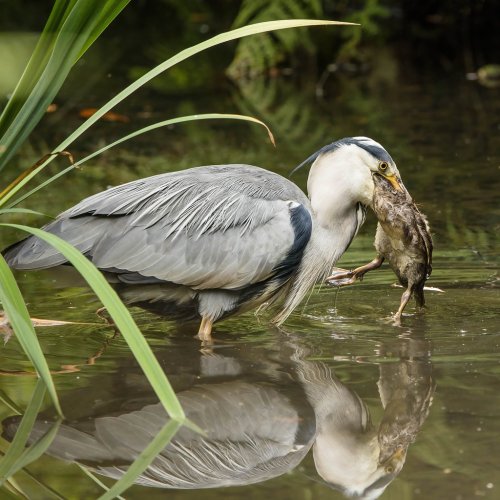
{"type": "Point", "coordinates": [262, 410]}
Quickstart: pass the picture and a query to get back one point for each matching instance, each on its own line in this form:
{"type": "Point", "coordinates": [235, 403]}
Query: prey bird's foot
{"type": "Point", "coordinates": [391, 320]}
{"type": "Point", "coordinates": [341, 277]}
{"type": "Point", "coordinates": [396, 319]}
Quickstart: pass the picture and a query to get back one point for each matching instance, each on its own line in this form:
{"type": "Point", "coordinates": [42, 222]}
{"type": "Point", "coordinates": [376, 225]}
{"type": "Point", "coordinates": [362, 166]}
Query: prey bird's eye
{"type": "Point", "coordinates": [383, 166]}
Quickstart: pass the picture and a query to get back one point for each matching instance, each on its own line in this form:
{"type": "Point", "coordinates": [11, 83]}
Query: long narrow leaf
{"type": "Point", "coordinates": [65, 52]}
{"type": "Point", "coordinates": [21, 211]}
{"type": "Point", "coordinates": [164, 123]}
{"type": "Point", "coordinates": [36, 64]}
{"type": "Point", "coordinates": [78, 24]}
{"type": "Point", "coordinates": [96, 479]}
{"type": "Point", "coordinates": [181, 56]}
{"type": "Point", "coordinates": [17, 313]}
{"type": "Point", "coordinates": [11, 405]}
{"type": "Point", "coordinates": [228, 36]}
{"type": "Point", "coordinates": [107, 13]}
{"type": "Point", "coordinates": [36, 450]}
{"type": "Point", "coordinates": [121, 316]}
{"type": "Point", "coordinates": [17, 447]}
{"type": "Point", "coordinates": [142, 462]}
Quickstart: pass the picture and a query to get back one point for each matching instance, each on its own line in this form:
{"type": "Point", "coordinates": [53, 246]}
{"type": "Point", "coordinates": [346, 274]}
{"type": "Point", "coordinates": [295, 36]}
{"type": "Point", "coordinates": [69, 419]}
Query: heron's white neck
{"type": "Point", "coordinates": [337, 182]}
{"type": "Point", "coordinates": [324, 249]}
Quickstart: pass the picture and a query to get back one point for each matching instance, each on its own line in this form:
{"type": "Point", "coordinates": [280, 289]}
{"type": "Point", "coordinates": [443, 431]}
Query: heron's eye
{"type": "Point", "coordinates": [383, 166]}
{"type": "Point", "coordinates": [389, 469]}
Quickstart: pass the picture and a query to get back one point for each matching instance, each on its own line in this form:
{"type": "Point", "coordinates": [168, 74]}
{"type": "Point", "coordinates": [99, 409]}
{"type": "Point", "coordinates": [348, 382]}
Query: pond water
{"type": "Point", "coordinates": [307, 411]}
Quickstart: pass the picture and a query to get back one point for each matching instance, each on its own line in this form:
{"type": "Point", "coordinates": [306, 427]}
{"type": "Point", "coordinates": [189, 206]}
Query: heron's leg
{"type": "Point", "coordinates": [205, 330]}
{"type": "Point", "coordinates": [404, 300]}
{"type": "Point", "coordinates": [343, 278]}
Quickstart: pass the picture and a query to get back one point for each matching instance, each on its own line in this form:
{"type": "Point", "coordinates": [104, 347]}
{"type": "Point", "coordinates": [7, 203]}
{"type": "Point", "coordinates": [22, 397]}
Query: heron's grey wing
{"type": "Point", "coordinates": [207, 227]}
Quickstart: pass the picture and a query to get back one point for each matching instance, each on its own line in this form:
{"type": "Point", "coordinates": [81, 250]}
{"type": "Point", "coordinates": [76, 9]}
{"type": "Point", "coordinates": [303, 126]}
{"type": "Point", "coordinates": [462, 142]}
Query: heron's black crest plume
{"type": "Point", "coordinates": [369, 145]}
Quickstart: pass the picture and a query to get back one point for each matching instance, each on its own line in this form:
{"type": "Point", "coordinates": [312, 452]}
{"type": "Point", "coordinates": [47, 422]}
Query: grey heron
{"type": "Point", "coordinates": [223, 239]}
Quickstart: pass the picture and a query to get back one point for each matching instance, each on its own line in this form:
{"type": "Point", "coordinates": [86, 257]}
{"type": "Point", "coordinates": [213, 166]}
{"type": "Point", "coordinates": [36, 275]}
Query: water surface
{"type": "Point", "coordinates": [312, 410]}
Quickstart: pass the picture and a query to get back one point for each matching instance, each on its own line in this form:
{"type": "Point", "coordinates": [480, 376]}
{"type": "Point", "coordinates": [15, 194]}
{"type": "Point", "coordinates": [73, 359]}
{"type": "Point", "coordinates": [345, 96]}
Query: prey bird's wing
{"type": "Point", "coordinates": [208, 227]}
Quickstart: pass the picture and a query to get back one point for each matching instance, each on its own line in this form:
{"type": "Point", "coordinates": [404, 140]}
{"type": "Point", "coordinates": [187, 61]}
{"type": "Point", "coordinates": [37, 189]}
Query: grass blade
{"type": "Point", "coordinates": [228, 36]}
{"type": "Point", "coordinates": [173, 121]}
{"type": "Point", "coordinates": [107, 13]}
{"type": "Point", "coordinates": [96, 479]}
{"type": "Point", "coordinates": [17, 313]}
{"type": "Point", "coordinates": [252, 29]}
{"type": "Point", "coordinates": [36, 450]}
{"type": "Point", "coordinates": [17, 447]}
{"type": "Point", "coordinates": [121, 316]}
{"type": "Point", "coordinates": [142, 462]}
{"type": "Point", "coordinates": [22, 211]}
{"type": "Point", "coordinates": [77, 24]}
{"type": "Point", "coordinates": [37, 62]}
{"type": "Point", "coordinates": [164, 123]}
{"type": "Point", "coordinates": [11, 405]}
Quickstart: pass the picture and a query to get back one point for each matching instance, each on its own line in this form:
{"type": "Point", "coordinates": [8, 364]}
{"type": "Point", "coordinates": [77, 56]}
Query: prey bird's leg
{"type": "Point", "coordinates": [419, 297]}
{"type": "Point", "coordinates": [205, 330]}
{"type": "Point", "coordinates": [344, 278]}
{"type": "Point", "coordinates": [404, 300]}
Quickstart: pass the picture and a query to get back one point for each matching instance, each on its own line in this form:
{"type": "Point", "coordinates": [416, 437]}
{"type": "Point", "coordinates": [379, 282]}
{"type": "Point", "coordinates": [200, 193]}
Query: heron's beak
{"type": "Point", "coordinates": [394, 182]}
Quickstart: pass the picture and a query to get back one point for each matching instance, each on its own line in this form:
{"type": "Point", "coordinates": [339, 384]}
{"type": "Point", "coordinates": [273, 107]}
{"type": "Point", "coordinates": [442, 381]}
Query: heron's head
{"type": "Point", "coordinates": [342, 172]}
{"type": "Point", "coordinates": [352, 465]}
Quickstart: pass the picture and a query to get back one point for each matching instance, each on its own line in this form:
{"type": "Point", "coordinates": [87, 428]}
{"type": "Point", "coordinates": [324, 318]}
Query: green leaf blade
{"type": "Point", "coordinates": [121, 316]}
{"type": "Point", "coordinates": [71, 29]}
{"type": "Point", "coordinates": [149, 128]}
{"type": "Point", "coordinates": [253, 29]}
{"type": "Point", "coordinates": [17, 447]}
{"type": "Point", "coordinates": [18, 315]}
{"type": "Point", "coordinates": [145, 458]}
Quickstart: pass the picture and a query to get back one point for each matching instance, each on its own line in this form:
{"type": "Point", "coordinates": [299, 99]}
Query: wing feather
{"type": "Point", "coordinates": [208, 227]}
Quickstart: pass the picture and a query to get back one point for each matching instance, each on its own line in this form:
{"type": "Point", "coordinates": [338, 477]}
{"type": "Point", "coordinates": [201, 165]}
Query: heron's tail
{"type": "Point", "coordinates": [35, 253]}
{"type": "Point", "coordinates": [32, 253]}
